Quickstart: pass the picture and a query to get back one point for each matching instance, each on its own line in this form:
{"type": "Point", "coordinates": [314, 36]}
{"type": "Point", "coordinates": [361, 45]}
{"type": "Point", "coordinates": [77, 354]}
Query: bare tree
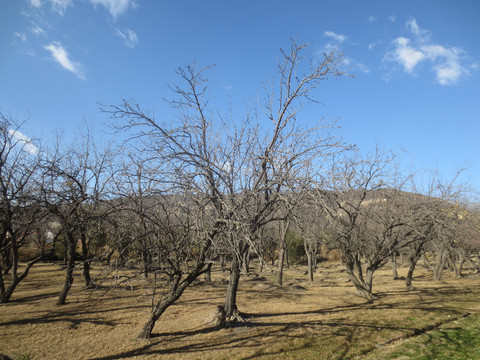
{"type": "Point", "coordinates": [237, 171]}
{"type": "Point", "coordinates": [74, 187]}
{"type": "Point", "coordinates": [364, 205]}
{"type": "Point", "coordinates": [19, 201]}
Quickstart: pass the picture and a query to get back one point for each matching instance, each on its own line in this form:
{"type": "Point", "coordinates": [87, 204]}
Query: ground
{"type": "Point", "coordinates": [320, 320]}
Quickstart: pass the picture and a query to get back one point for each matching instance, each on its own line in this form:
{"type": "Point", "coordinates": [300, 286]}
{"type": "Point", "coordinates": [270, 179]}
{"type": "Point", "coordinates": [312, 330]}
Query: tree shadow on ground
{"type": "Point", "coordinates": [71, 316]}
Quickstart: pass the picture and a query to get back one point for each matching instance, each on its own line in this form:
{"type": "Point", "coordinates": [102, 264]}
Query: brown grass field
{"type": "Point", "coordinates": [321, 320]}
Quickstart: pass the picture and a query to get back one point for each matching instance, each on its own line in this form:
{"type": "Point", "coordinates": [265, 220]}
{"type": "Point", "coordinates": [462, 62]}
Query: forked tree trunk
{"type": "Point", "coordinates": [363, 286]}
{"type": "Point", "coordinates": [441, 259]}
{"type": "Point", "coordinates": [71, 247]}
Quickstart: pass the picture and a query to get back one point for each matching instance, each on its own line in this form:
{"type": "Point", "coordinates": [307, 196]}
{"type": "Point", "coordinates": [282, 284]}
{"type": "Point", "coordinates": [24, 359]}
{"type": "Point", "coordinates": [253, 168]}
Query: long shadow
{"type": "Point", "coordinates": [42, 296]}
{"type": "Point", "coordinates": [68, 316]}
{"type": "Point", "coordinates": [237, 342]}
{"type": "Point", "coordinates": [198, 347]}
{"type": "Point", "coordinates": [253, 320]}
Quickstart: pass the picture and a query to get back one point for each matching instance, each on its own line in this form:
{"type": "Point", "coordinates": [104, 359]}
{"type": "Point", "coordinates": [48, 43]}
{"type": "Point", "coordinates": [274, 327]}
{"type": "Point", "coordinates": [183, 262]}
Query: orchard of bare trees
{"type": "Point", "coordinates": [178, 196]}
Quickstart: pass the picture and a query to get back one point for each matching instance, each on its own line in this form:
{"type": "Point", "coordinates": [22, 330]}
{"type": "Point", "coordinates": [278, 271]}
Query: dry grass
{"type": "Point", "coordinates": [323, 320]}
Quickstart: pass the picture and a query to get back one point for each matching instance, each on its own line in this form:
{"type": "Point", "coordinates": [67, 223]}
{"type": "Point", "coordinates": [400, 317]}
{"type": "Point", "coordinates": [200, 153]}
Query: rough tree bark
{"type": "Point", "coordinates": [71, 254]}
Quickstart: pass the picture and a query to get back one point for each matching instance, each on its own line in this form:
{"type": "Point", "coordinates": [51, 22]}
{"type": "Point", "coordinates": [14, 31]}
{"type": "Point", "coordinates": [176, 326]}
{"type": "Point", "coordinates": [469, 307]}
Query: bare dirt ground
{"type": "Point", "coordinates": [320, 320]}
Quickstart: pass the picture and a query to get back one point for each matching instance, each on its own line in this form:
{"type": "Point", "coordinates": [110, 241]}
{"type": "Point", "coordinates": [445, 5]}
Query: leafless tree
{"type": "Point", "coordinates": [75, 183]}
{"type": "Point", "coordinates": [366, 213]}
{"type": "Point", "coordinates": [19, 201]}
{"type": "Point", "coordinates": [238, 171]}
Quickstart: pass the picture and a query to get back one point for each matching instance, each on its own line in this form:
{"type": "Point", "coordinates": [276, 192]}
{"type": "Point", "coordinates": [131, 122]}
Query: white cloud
{"type": "Point", "coordinates": [406, 55]}
{"type": "Point", "coordinates": [60, 6]}
{"type": "Point", "coordinates": [24, 141]}
{"type": "Point", "coordinates": [37, 30]}
{"type": "Point", "coordinates": [61, 56]}
{"type": "Point", "coordinates": [392, 18]}
{"type": "Point", "coordinates": [21, 36]}
{"type": "Point", "coordinates": [115, 7]}
{"type": "Point", "coordinates": [35, 3]}
{"type": "Point", "coordinates": [337, 37]}
{"type": "Point", "coordinates": [445, 62]}
{"type": "Point", "coordinates": [129, 37]}
{"type": "Point", "coordinates": [372, 18]}
{"type": "Point", "coordinates": [448, 67]}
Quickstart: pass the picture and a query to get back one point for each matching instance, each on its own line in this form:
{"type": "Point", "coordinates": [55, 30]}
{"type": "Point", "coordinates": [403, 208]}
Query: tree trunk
{"type": "Point", "coordinates": [310, 266]}
{"type": "Point", "coordinates": [412, 263]}
{"type": "Point", "coordinates": [208, 274]}
{"type": "Point", "coordinates": [222, 263]}
{"type": "Point", "coordinates": [71, 247]}
{"type": "Point", "coordinates": [364, 288]}
{"type": "Point", "coordinates": [86, 261]}
{"type": "Point", "coordinates": [286, 257]}
{"type": "Point", "coordinates": [176, 290]}
{"type": "Point", "coordinates": [16, 279]}
{"type": "Point", "coordinates": [426, 263]}
{"type": "Point", "coordinates": [230, 308]}
{"type": "Point", "coordinates": [108, 256]}
{"type": "Point", "coordinates": [281, 261]}
{"type": "Point", "coordinates": [65, 249]}
{"type": "Point", "coordinates": [393, 261]}
{"type": "Point", "coordinates": [441, 258]}
{"type": "Point", "coordinates": [145, 261]}
{"type": "Point", "coordinates": [7, 261]}
{"type": "Point", "coordinates": [177, 287]}
{"type": "Point", "coordinates": [282, 251]}
{"type": "Point", "coordinates": [458, 269]}
{"type": "Point", "coordinates": [246, 262]}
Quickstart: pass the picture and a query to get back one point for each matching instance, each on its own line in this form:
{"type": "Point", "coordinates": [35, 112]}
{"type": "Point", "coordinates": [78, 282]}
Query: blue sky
{"type": "Point", "coordinates": [416, 65]}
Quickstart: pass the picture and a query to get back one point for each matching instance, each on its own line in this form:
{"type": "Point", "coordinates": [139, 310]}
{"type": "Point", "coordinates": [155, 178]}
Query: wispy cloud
{"type": "Point", "coordinates": [421, 34]}
{"type": "Point", "coordinates": [24, 141]}
{"type": "Point", "coordinates": [446, 62]}
{"type": "Point", "coordinates": [334, 44]}
{"type": "Point", "coordinates": [372, 18]}
{"type": "Point", "coordinates": [336, 37]}
{"type": "Point", "coordinates": [21, 36]}
{"type": "Point", "coordinates": [61, 56]}
{"type": "Point", "coordinates": [392, 18]}
{"type": "Point", "coordinates": [36, 30]}
{"type": "Point", "coordinates": [129, 37]}
{"type": "Point", "coordinates": [60, 6]}
{"type": "Point", "coordinates": [115, 7]}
